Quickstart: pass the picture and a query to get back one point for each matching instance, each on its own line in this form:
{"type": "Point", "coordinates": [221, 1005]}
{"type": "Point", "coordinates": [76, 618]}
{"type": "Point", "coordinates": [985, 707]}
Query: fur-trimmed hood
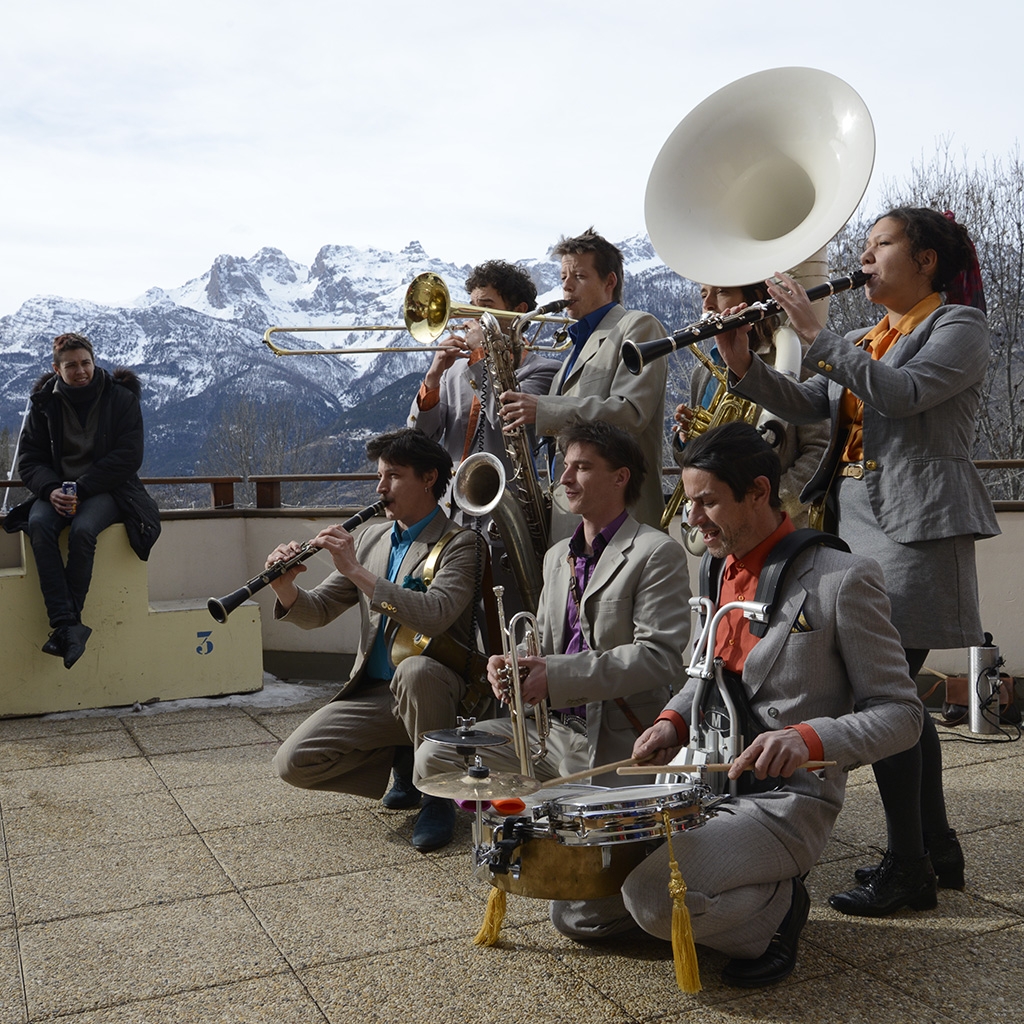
{"type": "Point", "coordinates": [122, 375]}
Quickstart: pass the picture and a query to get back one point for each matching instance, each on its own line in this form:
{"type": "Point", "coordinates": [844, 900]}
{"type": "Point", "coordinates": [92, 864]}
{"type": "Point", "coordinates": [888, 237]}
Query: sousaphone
{"type": "Point", "coordinates": [760, 176]}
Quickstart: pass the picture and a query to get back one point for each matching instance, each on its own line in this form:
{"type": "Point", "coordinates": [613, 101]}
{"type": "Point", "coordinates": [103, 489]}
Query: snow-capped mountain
{"type": "Point", "coordinates": [199, 351]}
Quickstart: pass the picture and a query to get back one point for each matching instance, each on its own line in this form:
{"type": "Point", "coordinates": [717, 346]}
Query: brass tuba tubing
{"type": "Point", "coordinates": [221, 607]}
{"type": "Point", "coordinates": [636, 355]}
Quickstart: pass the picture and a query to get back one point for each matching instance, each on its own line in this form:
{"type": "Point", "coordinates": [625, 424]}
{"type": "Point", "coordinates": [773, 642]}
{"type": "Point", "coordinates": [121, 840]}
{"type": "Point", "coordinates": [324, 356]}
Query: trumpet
{"type": "Point", "coordinates": [221, 607]}
{"type": "Point", "coordinates": [428, 308]}
{"type": "Point", "coordinates": [517, 709]}
{"type": "Point", "coordinates": [636, 355]}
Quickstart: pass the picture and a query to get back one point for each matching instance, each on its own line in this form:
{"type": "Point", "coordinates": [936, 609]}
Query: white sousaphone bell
{"type": "Point", "coordinates": [757, 178]}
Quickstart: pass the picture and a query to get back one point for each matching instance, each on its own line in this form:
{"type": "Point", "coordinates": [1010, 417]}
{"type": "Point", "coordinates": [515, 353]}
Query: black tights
{"type": "Point", "coordinates": [910, 784]}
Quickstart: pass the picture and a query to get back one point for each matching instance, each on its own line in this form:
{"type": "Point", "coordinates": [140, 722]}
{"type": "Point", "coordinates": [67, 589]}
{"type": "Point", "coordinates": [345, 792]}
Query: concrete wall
{"type": "Point", "coordinates": [225, 553]}
{"type": "Point", "coordinates": [143, 646]}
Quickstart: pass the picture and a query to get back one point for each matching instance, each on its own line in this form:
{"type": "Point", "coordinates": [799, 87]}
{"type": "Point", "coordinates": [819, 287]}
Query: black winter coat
{"type": "Point", "coordinates": [117, 456]}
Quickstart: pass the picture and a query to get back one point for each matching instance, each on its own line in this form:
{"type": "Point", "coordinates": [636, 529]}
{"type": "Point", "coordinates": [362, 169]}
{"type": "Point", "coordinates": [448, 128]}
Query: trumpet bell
{"type": "Point", "coordinates": [760, 174]}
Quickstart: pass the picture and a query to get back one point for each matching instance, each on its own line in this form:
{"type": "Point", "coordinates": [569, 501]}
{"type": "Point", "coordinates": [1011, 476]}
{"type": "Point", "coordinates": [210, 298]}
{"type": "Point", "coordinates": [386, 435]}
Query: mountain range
{"type": "Point", "coordinates": [199, 351]}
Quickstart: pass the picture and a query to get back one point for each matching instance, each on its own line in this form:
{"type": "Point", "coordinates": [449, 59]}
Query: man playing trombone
{"type": "Point", "coordinates": [456, 404]}
{"type": "Point", "coordinates": [613, 619]}
{"type": "Point", "coordinates": [350, 745]}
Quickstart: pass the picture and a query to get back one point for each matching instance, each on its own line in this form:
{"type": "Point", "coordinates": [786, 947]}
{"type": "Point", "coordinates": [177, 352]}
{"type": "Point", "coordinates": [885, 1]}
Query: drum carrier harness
{"type": "Point", "coordinates": [722, 722]}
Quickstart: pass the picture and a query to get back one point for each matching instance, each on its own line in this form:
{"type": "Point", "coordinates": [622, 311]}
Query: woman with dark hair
{"type": "Point", "coordinates": [799, 448]}
{"type": "Point", "coordinates": [898, 476]}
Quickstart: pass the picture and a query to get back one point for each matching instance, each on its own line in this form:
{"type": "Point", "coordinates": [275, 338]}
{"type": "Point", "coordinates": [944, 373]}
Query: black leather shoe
{"type": "Point", "coordinates": [946, 856]}
{"type": "Point", "coordinates": [434, 824]}
{"type": "Point", "coordinates": [402, 794]}
{"type": "Point", "coordinates": [898, 882]}
{"type": "Point", "coordinates": [779, 959]}
{"type": "Point", "coordinates": [74, 646]}
{"type": "Point", "coordinates": [55, 644]}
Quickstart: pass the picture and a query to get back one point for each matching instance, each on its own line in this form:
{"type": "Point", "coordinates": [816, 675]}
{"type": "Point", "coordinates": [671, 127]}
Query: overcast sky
{"type": "Point", "coordinates": [137, 143]}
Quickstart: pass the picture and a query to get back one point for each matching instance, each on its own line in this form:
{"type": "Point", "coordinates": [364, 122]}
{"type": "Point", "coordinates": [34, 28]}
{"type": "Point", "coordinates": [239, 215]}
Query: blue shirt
{"type": "Point", "coordinates": [580, 333]}
{"type": "Point", "coordinates": [378, 664]}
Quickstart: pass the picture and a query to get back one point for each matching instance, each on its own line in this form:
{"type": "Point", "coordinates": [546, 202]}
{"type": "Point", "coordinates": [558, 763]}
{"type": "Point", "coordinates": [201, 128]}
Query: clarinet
{"type": "Point", "coordinates": [636, 355]}
{"type": "Point", "coordinates": [221, 608]}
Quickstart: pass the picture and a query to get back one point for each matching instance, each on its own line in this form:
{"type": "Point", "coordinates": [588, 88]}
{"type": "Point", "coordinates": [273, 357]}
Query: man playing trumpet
{"type": "Point", "coordinates": [613, 615]}
{"type": "Point", "coordinates": [351, 745]}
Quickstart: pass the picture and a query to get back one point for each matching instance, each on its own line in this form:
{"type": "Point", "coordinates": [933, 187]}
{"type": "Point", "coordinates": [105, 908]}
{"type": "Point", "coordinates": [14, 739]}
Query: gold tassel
{"type": "Point", "coordinates": [684, 953]}
{"type": "Point", "coordinates": [493, 916]}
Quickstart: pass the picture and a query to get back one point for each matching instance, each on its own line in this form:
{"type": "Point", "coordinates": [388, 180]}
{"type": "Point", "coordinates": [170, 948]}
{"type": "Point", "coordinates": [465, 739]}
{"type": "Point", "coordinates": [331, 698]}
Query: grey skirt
{"type": "Point", "coordinates": [932, 584]}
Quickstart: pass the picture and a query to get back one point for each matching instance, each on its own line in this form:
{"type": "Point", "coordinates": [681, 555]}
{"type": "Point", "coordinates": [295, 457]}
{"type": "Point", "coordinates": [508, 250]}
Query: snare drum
{"type": "Point", "coordinates": [627, 815]}
{"type": "Point", "coordinates": [580, 842]}
{"type": "Point", "coordinates": [522, 854]}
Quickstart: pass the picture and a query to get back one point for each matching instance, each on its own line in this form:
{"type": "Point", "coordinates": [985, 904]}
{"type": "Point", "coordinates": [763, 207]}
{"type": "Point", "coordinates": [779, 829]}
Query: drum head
{"type": "Point", "coordinates": [629, 814]}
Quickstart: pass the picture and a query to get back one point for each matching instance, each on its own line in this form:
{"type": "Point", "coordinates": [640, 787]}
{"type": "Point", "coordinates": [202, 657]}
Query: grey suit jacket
{"type": "Point", "coordinates": [920, 405]}
{"type": "Point", "coordinates": [599, 387]}
{"type": "Point", "coordinates": [446, 606]}
{"type": "Point", "coordinates": [448, 420]}
{"type": "Point", "coordinates": [636, 621]}
{"type": "Point", "coordinates": [846, 677]}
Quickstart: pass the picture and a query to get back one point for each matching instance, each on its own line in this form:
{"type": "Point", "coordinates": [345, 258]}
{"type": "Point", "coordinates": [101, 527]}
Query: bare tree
{"type": "Point", "coordinates": [255, 438]}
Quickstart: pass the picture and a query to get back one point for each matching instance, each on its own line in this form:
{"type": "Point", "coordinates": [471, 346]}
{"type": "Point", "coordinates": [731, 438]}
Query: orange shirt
{"type": "Point", "coordinates": [734, 641]}
{"type": "Point", "coordinates": [878, 341]}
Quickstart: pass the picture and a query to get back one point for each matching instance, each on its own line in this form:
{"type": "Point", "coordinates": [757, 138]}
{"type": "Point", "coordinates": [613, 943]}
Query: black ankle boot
{"type": "Point", "coordinates": [898, 882]}
{"type": "Point", "coordinates": [946, 856]}
{"type": "Point", "coordinates": [402, 794]}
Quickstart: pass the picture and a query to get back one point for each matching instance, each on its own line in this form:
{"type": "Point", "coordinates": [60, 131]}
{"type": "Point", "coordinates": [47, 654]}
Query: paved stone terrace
{"type": "Point", "coordinates": [155, 870]}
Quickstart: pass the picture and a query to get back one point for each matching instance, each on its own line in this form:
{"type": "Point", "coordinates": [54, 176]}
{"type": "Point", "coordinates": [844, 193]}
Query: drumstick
{"type": "Point", "coordinates": [588, 772]}
{"type": "Point", "coordinates": [675, 769]}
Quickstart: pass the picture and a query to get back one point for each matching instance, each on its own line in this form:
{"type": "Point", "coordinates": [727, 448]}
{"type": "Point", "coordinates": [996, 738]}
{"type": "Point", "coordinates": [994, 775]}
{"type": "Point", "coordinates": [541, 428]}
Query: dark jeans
{"type": "Point", "coordinates": [64, 588]}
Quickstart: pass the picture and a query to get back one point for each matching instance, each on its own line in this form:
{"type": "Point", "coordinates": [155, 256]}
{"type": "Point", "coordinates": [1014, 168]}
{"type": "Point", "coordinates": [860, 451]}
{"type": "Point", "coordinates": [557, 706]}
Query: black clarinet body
{"type": "Point", "coordinates": [636, 355]}
{"type": "Point", "coordinates": [220, 608]}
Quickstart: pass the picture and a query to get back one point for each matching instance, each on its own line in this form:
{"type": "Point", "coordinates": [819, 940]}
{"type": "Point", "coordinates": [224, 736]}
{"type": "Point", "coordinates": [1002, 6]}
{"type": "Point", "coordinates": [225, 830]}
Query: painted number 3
{"type": "Point", "coordinates": [206, 645]}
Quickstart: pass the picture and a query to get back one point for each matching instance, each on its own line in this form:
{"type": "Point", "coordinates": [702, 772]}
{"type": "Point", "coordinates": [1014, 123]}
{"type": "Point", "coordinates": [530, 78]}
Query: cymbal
{"type": "Point", "coordinates": [465, 738]}
{"type": "Point", "coordinates": [463, 786]}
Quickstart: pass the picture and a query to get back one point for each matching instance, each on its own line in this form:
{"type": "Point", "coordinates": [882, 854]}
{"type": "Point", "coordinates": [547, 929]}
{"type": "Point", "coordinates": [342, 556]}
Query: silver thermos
{"type": "Point", "coordinates": [983, 688]}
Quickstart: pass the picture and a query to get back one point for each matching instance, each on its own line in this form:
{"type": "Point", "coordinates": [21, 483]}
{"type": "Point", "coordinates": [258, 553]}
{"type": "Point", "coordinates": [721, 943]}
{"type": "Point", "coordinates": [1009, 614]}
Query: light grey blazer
{"type": "Point", "coordinates": [920, 406]}
{"type": "Point", "coordinates": [448, 420]}
{"type": "Point", "coordinates": [599, 387]}
{"type": "Point", "coordinates": [846, 677]}
{"type": "Point", "coordinates": [446, 606]}
{"type": "Point", "coordinates": [636, 621]}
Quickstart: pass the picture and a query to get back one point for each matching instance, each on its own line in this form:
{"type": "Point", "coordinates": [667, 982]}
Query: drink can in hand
{"type": "Point", "coordinates": [70, 487]}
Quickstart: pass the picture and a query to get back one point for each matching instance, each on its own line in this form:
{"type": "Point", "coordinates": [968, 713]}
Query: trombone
{"type": "Point", "coordinates": [428, 308]}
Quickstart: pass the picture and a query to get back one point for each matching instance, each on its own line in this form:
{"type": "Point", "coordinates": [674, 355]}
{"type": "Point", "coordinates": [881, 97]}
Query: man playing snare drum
{"type": "Point", "coordinates": [613, 616]}
{"type": "Point", "coordinates": [827, 681]}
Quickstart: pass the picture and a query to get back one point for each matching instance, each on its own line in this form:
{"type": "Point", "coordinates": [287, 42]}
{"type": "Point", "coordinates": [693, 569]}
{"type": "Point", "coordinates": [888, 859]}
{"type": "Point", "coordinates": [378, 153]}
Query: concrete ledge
{"type": "Point", "coordinates": [138, 651]}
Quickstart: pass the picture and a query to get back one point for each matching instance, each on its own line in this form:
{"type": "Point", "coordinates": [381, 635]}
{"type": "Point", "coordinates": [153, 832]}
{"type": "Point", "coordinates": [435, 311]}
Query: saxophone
{"type": "Point", "coordinates": [726, 407]}
{"type": "Point", "coordinates": [520, 505]}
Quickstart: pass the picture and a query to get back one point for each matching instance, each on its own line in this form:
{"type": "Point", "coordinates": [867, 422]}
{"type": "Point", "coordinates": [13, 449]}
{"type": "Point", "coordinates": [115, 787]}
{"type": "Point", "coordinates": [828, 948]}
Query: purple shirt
{"type": "Point", "coordinates": [583, 568]}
